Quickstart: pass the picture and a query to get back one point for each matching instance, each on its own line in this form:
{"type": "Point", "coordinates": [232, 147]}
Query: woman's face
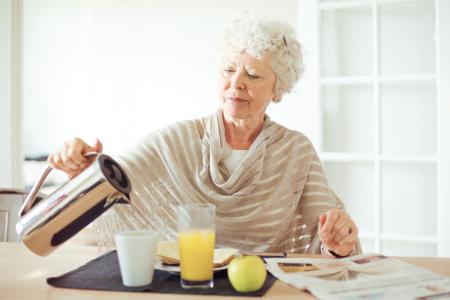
{"type": "Point", "coordinates": [247, 86]}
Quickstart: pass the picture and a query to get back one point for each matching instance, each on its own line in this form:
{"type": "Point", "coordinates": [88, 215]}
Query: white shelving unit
{"type": "Point", "coordinates": [381, 131]}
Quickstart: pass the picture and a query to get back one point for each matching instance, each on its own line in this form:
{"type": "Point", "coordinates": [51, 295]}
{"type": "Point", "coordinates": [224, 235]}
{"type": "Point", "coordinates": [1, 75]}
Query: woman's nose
{"type": "Point", "coordinates": [238, 80]}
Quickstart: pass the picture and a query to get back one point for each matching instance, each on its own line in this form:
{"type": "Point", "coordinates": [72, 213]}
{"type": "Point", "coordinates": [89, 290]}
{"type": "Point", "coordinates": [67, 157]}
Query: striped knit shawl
{"type": "Point", "coordinates": [270, 202]}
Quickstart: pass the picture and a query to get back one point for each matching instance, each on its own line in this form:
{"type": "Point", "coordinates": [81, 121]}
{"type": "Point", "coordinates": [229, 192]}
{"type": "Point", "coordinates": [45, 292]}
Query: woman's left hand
{"type": "Point", "coordinates": [338, 232]}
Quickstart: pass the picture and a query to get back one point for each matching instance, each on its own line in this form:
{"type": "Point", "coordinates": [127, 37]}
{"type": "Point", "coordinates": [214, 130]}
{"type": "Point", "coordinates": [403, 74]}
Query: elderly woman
{"type": "Point", "coordinates": [266, 181]}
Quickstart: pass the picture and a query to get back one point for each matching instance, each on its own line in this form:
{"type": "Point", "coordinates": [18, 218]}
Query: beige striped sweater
{"type": "Point", "coordinates": [270, 202]}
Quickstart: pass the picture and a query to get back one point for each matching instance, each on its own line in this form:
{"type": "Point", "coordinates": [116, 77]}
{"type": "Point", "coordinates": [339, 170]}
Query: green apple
{"type": "Point", "coordinates": [247, 273]}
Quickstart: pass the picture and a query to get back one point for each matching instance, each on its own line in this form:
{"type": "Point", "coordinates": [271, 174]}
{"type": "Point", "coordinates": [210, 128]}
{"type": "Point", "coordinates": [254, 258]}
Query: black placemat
{"type": "Point", "coordinates": [103, 273]}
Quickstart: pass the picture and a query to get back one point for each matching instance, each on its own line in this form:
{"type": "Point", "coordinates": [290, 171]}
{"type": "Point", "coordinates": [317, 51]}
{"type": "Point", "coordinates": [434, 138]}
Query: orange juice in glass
{"type": "Point", "coordinates": [196, 237]}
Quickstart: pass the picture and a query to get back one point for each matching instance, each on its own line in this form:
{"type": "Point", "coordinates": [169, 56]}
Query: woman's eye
{"type": "Point", "coordinates": [253, 76]}
{"type": "Point", "coordinates": [228, 71]}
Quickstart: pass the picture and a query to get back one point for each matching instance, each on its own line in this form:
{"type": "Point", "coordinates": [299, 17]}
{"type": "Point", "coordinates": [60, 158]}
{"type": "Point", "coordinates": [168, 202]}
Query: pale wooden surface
{"type": "Point", "coordinates": [23, 276]}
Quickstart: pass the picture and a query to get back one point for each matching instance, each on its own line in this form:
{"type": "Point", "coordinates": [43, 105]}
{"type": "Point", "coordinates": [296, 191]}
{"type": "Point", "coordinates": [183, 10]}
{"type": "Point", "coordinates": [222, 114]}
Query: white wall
{"type": "Point", "coordinates": [5, 93]}
{"type": "Point", "coordinates": [119, 69]}
{"type": "Point", "coordinates": [10, 139]}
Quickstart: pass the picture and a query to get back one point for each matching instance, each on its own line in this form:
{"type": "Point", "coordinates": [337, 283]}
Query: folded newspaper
{"type": "Point", "coordinates": [368, 276]}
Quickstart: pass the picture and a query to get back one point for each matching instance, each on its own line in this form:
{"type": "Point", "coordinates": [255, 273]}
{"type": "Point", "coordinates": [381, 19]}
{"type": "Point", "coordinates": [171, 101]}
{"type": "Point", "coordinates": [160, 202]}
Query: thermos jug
{"type": "Point", "coordinates": [45, 225]}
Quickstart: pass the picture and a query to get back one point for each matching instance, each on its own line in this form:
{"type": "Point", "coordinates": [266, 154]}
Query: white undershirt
{"type": "Point", "coordinates": [232, 161]}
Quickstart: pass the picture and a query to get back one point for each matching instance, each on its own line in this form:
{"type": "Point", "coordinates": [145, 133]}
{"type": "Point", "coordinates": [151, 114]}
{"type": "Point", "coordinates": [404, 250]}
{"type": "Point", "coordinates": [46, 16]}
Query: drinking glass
{"type": "Point", "coordinates": [196, 237]}
{"type": "Point", "coordinates": [136, 251]}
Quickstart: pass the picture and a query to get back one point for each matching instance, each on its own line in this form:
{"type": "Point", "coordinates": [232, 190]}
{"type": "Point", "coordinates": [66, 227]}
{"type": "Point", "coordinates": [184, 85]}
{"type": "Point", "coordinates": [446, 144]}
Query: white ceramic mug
{"type": "Point", "coordinates": [136, 250]}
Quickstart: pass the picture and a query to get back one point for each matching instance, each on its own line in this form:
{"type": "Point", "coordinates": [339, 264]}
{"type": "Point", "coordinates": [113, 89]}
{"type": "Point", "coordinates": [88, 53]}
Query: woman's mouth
{"type": "Point", "coordinates": [237, 100]}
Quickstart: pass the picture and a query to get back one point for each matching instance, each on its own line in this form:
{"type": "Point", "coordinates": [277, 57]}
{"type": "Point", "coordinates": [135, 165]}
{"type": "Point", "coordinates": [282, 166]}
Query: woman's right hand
{"type": "Point", "coordinates": [70, 157]}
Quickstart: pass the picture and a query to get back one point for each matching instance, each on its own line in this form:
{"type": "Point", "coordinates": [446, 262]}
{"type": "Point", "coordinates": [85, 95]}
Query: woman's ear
{"type": "Point", "coordinates": [274, 94]}
{"type": "Point", "coordinates": [277, 92]}
{"type": "Point", "coordinates": [277, 96]}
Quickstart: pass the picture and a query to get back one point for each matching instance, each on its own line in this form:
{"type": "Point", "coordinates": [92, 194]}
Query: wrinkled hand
{"type": "Point", "coordinates": [338, 232]}
{"type": "Point", "coordinates": [70, 157]}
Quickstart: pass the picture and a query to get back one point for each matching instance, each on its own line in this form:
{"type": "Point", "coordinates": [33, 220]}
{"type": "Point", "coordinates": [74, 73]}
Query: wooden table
{"type": "Point", "coordinates": [23, 276]}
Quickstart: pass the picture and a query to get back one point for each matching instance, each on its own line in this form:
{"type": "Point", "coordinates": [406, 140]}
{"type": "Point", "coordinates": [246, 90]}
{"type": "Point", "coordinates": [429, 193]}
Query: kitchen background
{"type": "Point", "coordinates": [374, 99]}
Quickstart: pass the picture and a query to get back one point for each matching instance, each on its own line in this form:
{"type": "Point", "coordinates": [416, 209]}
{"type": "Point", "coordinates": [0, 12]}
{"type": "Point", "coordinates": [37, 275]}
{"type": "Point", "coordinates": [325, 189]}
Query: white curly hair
{"type": "Point", "coordinates": [257, 36]}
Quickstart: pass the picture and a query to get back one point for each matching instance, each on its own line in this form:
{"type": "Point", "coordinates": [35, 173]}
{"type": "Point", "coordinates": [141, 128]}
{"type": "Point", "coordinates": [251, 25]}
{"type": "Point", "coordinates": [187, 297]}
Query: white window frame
{"type": "Point", "coordinates": [443, 94]}
{"type": "Point", "coordinates": [308, 29]}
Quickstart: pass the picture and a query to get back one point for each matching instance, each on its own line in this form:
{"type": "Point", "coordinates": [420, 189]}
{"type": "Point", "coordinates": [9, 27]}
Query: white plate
{"type": "Point", "coordinates": [176, 269]}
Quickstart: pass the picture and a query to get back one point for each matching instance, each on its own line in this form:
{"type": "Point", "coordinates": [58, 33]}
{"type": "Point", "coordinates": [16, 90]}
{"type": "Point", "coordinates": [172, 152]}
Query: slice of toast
{"type": "Point", "coordinates": [168, 253]}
